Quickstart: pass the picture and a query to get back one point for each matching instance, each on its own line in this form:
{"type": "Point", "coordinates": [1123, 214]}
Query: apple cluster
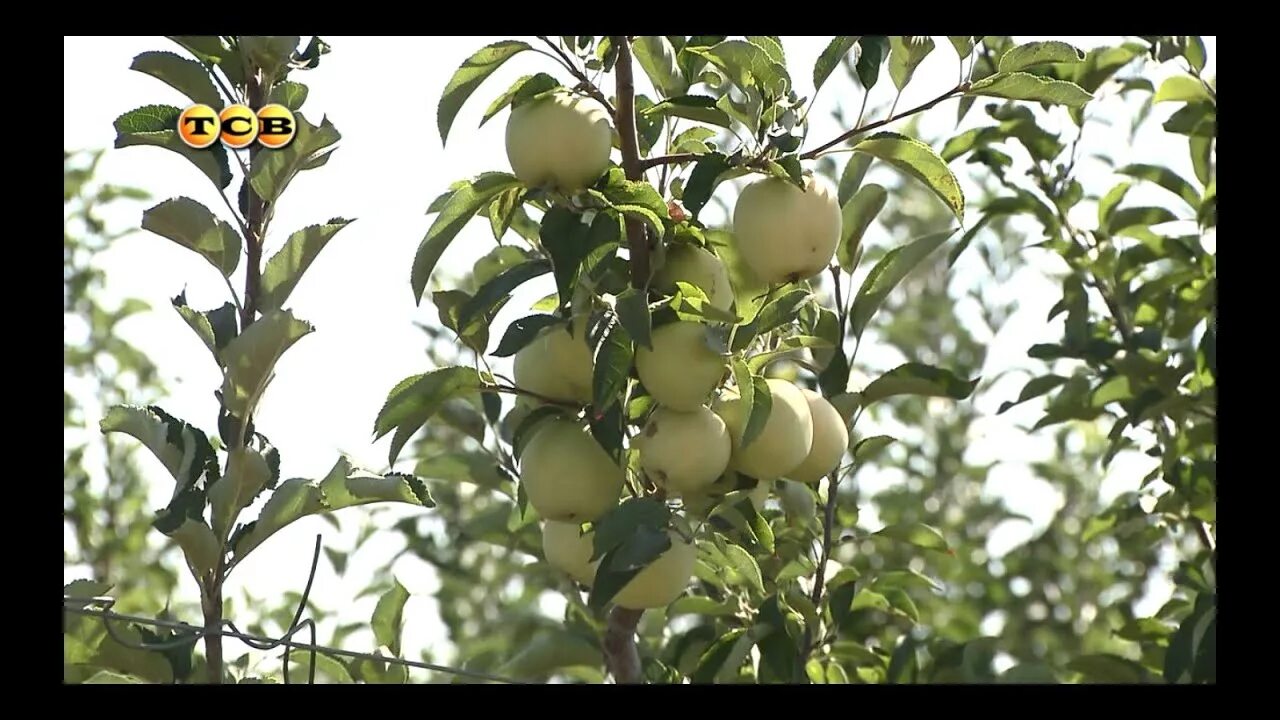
{"type": "Point", "coordinates": [691, 442]}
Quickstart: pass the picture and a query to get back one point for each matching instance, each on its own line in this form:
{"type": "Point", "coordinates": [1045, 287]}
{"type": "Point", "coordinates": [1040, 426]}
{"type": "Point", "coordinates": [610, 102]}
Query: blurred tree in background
{"type": "Point", "coordinates": [104, 492]}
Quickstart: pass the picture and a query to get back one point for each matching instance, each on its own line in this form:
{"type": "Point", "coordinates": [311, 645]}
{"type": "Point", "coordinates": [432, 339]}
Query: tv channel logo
{"type": "Point", "coordinates": [237, 126]}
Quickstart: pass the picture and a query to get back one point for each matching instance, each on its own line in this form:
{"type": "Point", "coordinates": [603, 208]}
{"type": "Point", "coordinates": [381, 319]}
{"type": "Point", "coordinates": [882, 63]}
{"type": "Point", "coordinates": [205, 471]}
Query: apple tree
{"type": "Point", "coordinates": [682, 376]}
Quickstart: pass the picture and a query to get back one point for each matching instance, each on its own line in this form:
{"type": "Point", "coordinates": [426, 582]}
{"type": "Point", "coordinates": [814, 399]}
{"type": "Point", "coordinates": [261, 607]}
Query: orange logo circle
{"type": "Point", "coordinates": [277, 126]}
{"type": "Point", "coordinates": [239, 126]}
{"type": "Point", "coordinates": [198, 126]}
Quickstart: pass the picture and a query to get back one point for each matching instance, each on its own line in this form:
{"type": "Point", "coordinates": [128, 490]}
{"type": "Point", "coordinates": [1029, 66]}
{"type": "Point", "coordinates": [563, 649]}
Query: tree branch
{"type": "Point", "coordinates": [829, 521]}
{"type": "Point", "coordinates": [677, 158]}
{"type": "Point", "coordinates": [962, 87]}
{"type": "Point", "coordinates": [625, 118]}
{"type": "Point", "coordinates": [588, 86]}
{"type": "Point", "coordinates": [256, 94]}
{"type": "Point", "coordinates": [620, 654]}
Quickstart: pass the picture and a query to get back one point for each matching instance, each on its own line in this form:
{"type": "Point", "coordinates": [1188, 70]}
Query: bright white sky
{"type": "Point", "coordinates": [330, 386]}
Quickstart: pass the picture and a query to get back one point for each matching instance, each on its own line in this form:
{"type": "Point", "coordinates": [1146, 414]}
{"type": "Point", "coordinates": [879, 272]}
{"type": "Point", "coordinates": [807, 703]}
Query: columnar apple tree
{"type": "Point", "coordinates": [648, 426]}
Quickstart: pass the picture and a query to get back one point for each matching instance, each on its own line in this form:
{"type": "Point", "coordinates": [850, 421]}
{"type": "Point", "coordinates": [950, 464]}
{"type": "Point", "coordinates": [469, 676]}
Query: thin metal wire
{"type": "Point", "coordinates": [189, 634]}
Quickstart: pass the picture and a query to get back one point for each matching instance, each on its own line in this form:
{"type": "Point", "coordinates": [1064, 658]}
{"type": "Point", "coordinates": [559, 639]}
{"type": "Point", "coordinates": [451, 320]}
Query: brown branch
{"type": "Point", "coordinates": [962, 87]}
{"type": "Point", "coordinates": [677, 158]}
{"type": "Point", "coordinates": [256, 94]}
{"type": "Point", "coordinates": [674, 159]}
{"type": "Point", "coordinates": [625, 117]}
{"type": "Point", "coordinates": [211, 604]}
{"type": "Point", "coordinates": [620, 654]}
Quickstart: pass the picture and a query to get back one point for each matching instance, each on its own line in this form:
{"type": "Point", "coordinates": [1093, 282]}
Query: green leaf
{"type": "Point", "coordinates": [248, 474]}
{"type": "Point", "coordinates": [477, 468]}
{"type": "Point", "coordinates": [1202, 157]}
{"type": "Point", "coordinates": [157, 125]}
{"type": "Point", "coordinates": [918, 379]}
{"type": "Point", "coordinates": [1039, 53]}
{"type": "Point", "coordinates": [1131, 217]}
{"type": "Point", "coordinates": [362, 487]}
{"type": "Point", "coordinates": [1033, 389]}
{"type": "Point", "coordinates": [772, 46]}
{"type": "Point", "coordinates": [526, 86]}
{"type": "Point", "coordinates": [469, 76]}
{"type": "Point", "coordinates": [858, 214]}
{"type": "Point", "coordinates": [273, 171]}
{"type": "Point", "coordinates": [780, 311]}
{"type": "Point", "coordinates": [1165, 178]}
{"type": "Point", "coordinates": [1194, 120]}
{"type": "Point", "coordinates": [885, 276]}
{"type": "Point", "coordinates": [658, 60]}
{"type": "Point", "coordinates": [84, 589]}
{"type": "Point", "coordinates": [725, 656]}
{"type": "Point", "coordinates": [186, 76]}
{"type": "Point", "coordinates": [831, 57]}
{"type": "Point", "coordinates": [699, 605]}
{"type": "Point", "coordinates": [499, 289]}
{"type": "Point", "coordinates": [618, 566]}
{"type": "Point", "coordinates": [851, 179]}
{"type": "Point", "coordinates": [184, 450]}
{"type": "Point", "coordinates": [289, 94]}
{"type": "Point", "coordinates": [905, 55]}
{"type": "Point", "coordinates": [549, 651]}
{"type": "Point", "coordinates": [699, 108]}
{"type": "Point", "coordinates": [206, 48]}
{"type": "Point", "coordinates": [612, 367]}
{"type": "Point", "coordinates": [633, 311]}
{"type": "Point", "coordinates": [614, 528]}
{"type": "Point", "coordinates": [702, 181]}
{"type": "Point", "coordinates": [286, 267]}
{"type": "Point", "coordinates": [198, 544]}
{"type": "Point", "coordinates": [344, 486]}
{"type": "Point", "coordinates": [1104, 668]}
{"type": "Point", "coordinates": [694, 140]}
{"type": "Point", "coordinates": [787, 346]}
{"type": "Point", "coordinates": [107, 677]}
{"type": "Point", "coordinates": [1108, 203]}
{"type": "Point", "coordinates": [522, 332]}
{"type": "Point", "coordinates": [415, 399]}
{"type": "Point", "coordinates": [917, 534]}
{"type": "Point", "coordinates": [1033, 673]}
{"type": "Point", "coordinates": [874, 49]}
{"type": "Point", "coordinates": [215, 328]}
{"type": "Point", "coordinates": [326, 666]}
{"type": "Point", "coordinates": [748, 66]}
{"type": "Point", "coordinates": [742, 563]}
{"type": "Point", "coordinates": [779, 659]}
{"type": "Point", "coordinates": [568, 240]}
{"type": "Point", "coordinates": [920, 162]}
{"type": "Point", "coordinates": [1024, 86]}
{"type": "Point", "coordinates": [757, 413]}
{"type": "Point", "coordinates": [624, 193]}
{"type": "Point", "coordinates": [904, 664]}
{"type": "Point", "coordinates": [271, 53]}
{"type": "Point", "coordinates": [251, 358]}
{"type": "Point", "coordinates": [1182, 88]}
{"type": "Point", "coordinates": [194, 227]}
{"type": "Point", "coordinates": [868, 447]}
{"type": "Point", "coordinates": [460, 208]}
{"type": "Point", "coordinates": [963, 44]}
{"type": "Point", "coordinates": [388, 617]}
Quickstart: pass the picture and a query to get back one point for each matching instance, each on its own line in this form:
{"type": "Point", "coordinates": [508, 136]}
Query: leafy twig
{"type": "Point", "coordinates": [589, 86]}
